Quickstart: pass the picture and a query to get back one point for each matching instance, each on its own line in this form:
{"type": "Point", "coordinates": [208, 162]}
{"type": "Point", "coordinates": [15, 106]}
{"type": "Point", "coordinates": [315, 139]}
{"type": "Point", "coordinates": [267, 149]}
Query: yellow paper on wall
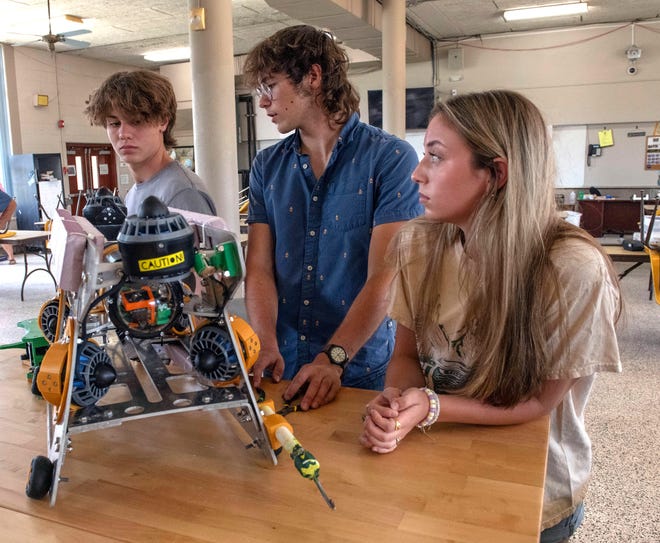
{"type": "Point", "coordinates": [605, 137]}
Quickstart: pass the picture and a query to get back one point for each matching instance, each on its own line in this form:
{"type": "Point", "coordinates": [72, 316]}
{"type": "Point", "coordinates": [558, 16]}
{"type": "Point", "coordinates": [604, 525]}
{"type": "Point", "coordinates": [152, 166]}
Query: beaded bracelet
{"type": "Point", "coordinates": [434, 409]}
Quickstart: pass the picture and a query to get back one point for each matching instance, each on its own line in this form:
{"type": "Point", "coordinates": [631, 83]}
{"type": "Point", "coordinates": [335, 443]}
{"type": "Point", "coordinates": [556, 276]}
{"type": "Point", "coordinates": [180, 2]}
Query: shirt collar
{"type": "Point", "coordinates": [345, 135]}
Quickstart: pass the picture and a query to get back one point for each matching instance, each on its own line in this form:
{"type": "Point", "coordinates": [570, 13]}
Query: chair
{"type": "Point", "coordinates": [6, 215]}
{"type": "Point", "coordinates": [652, 248]}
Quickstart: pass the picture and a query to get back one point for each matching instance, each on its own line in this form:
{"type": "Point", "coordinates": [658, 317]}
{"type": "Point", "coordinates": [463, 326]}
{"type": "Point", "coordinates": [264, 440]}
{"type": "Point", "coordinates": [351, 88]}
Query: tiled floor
{"type": "Point", "coordinates": [39, 287]}
{"type": "Point", "coordinates": [623, 419]}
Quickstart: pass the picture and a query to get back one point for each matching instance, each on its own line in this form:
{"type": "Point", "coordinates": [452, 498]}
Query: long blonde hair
{"type": "Point", "coordinates": [509, 277]}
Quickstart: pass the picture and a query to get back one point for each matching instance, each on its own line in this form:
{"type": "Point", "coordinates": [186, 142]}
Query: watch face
{"type": "Point", "coordinates": [337, 354]}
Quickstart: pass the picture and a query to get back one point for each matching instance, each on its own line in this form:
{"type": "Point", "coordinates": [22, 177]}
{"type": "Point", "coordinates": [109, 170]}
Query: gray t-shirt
{"type": "Point", "coordinates": [176, 186]}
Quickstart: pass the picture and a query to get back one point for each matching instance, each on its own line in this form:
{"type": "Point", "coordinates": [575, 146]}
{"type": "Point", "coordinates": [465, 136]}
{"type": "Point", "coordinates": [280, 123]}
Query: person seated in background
{"type": "Point", "coordinates": [138, 111]}
{"type": "Point", "coordinates": [505, 312]}
{"type": "Point", "coordinates": [7, 209]}
{"type": "Point", "coordinates": [324, 204]}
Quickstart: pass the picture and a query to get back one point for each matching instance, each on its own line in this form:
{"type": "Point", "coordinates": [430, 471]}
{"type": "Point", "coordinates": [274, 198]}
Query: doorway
{"type": "Point", "coordinates": [90, 166]}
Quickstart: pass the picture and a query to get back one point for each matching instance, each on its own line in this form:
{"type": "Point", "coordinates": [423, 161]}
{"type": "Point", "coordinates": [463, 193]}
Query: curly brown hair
{"type": "Point", "coordinates": [141, 95]}
{"type": "Point", "coordinates": [292, 51]}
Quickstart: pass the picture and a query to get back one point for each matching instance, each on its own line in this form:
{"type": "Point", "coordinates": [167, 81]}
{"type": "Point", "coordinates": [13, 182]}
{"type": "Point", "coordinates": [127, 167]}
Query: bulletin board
{"type": "Point", "coordinates": [652, 154]}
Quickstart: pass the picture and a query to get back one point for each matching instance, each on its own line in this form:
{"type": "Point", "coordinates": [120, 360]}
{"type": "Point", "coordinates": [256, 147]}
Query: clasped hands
{"type": "Point", "coordinates": [390, 416]}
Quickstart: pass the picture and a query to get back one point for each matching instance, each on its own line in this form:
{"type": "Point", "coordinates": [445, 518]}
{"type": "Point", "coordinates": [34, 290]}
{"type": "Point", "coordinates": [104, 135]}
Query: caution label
{"type": "Point", "coordinates": [162, 262]}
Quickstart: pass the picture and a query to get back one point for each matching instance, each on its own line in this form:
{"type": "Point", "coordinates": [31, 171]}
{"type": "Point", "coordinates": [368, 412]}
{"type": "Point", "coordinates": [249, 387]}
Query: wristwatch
{"type": "Point", "coordinates": [337, 355]}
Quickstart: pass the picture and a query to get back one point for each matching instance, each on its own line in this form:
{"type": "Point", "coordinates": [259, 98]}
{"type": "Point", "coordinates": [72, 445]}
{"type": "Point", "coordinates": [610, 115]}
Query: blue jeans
{"type": "Point", "coordinates": [565, 528]}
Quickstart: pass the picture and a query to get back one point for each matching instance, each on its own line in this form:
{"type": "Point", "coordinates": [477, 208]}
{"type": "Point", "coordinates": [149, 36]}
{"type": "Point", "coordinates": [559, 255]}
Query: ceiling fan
{"type": "Point", "coordinates": [51, 39]}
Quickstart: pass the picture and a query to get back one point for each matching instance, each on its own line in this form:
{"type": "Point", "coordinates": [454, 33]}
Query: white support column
{"type": "Point", "coordinates": [394, 67]}
{"type": "Point", "coordinates": [214, 106]}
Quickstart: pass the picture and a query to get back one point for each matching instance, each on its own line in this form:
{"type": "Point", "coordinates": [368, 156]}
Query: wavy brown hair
{"type": "Point", "coordinates": [140, 95]}
{"type": "Point", "coordinates": [292, 51]}
{"type": "Point", "coordinates": [507, 272]}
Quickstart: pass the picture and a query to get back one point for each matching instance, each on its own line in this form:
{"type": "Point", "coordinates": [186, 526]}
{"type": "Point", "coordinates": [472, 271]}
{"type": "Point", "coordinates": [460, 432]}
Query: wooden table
{"type": "Point", "coordinates": [618, 254]}
{"type": "Point", "coordinates": [24, 238]}
{"type": "Point", "coordinates": [188, 477]}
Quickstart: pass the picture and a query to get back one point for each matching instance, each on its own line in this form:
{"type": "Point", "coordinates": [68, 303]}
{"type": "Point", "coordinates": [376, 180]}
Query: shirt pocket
{"type": "Point", "coordinates": [347, 211]}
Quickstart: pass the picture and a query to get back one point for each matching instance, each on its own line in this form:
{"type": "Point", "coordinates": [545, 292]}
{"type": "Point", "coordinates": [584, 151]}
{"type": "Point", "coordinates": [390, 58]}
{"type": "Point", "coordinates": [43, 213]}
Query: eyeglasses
{"type": "Point", "coordinates": [264, 90]}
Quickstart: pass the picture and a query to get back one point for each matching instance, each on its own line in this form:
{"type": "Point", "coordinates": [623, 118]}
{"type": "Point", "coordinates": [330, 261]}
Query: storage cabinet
{"type": "Point", "coordinates": [38, 188]}
{"type": "Point", "coordinates": [609, 216]}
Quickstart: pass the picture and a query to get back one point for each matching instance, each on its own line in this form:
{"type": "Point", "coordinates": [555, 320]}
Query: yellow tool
{"type": "Point", "coordinates": [280, 433]}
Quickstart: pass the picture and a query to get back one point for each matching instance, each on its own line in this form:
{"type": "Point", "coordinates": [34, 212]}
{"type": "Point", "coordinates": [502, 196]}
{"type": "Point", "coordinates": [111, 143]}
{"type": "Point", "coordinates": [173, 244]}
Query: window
{"type": "Point", "coordinates": [4, 130]}
{"type": "Point", "coordinates": [419, 103]}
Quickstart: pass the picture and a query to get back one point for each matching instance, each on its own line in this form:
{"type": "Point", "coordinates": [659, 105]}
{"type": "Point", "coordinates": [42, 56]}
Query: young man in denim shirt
{"type": "Point", "coordinates": [324, 204]}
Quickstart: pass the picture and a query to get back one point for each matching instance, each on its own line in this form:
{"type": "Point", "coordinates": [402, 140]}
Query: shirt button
{"type": "Point", "coordinates": [303, 338]}
{"type": "Point", "coordinates": [310, 268]}
{"type": "Point", "coordinates": [312, 233]}
{"type": "Point", "coordinates": [304, 166]}
{"type": "Point", "coordinates": [306, 302]}
{"type": "Point", "coordinates": [315, 198]}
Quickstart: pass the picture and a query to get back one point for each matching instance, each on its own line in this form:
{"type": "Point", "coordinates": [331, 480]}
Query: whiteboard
{"type": "Point", "coordinates": [622, 164]}
{"type": "Point", "coordinates": [570, 145]}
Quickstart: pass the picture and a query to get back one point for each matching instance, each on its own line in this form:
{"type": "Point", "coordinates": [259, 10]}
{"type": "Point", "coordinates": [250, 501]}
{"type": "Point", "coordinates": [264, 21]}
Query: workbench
{"type": "Point", "coordinates": [618, 254]}
{"type": "Point", "coordinates": [189, 477]}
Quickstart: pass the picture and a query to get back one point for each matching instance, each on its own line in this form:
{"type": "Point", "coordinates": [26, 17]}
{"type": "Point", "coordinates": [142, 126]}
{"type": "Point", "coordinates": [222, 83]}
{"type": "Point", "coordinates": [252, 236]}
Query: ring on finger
{"type": "Point", "coordinates": [397, 424]}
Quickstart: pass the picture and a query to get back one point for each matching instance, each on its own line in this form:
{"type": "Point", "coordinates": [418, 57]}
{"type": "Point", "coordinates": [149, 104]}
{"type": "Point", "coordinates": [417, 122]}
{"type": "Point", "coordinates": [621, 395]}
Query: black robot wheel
{"type": "Point", "coordinates": [40, 478]}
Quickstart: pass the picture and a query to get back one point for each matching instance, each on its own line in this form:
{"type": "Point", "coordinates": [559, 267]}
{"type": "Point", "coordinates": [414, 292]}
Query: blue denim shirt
{"type": "Point", "coordinates": [321, 231]}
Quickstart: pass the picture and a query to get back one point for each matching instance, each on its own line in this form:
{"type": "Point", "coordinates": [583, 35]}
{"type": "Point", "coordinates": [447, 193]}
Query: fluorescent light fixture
{"type": "Point", "coordinates": [538, 12]}
{"type": "Point", "coordinates": [178, 53]}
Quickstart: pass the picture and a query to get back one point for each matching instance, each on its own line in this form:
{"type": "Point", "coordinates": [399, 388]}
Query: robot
{"type": "Point", "coordinates": [106, 211]}
{"type": "Point", "coordinates": [136, 333]}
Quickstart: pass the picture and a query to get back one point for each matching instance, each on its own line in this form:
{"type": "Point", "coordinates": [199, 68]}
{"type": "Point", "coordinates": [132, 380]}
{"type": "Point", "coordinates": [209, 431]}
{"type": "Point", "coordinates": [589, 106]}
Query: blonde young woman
{"type": "Point", "coordinates": [505, 312]}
